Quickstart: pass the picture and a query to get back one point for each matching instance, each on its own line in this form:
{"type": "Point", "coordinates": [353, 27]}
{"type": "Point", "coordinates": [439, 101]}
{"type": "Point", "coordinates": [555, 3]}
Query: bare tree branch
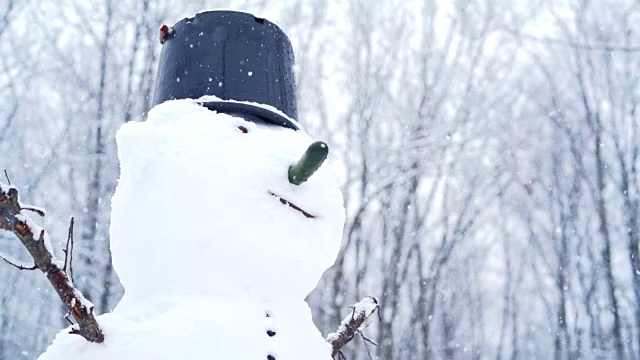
{"type": "Point", "coordinates": [13, 220]}
{"type": "Point", "coordinates": [68, 251]}
{"type": "Point", "coordinates": [5, 17]}
{"type": "Point", "coordinates": [14, 264]}
{"type": "Point", "coordinates": [591, 46]}
{"type": "Point", "coordinates": [353, 325]}
{"type": "Point", "coordinates": [34, 209]}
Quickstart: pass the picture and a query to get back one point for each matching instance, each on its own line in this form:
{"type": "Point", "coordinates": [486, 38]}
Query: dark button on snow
{"type": "Point", "coordinates": [271, 333]}
{"type": "Point", "coordinates": [271, 357]}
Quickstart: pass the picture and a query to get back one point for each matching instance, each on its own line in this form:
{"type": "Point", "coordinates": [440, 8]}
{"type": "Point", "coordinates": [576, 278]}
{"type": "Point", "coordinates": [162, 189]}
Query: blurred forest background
{"type": "Point", "coordinates": [488, 153]}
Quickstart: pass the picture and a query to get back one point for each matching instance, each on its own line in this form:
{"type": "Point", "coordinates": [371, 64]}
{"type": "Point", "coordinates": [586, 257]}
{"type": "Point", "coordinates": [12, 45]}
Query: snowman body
{"type": "Point", "coordinates": [215, 248]}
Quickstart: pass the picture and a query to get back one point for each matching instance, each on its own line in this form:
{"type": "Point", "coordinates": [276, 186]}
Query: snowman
{"type": "Point", "coordinates": [223, 219]}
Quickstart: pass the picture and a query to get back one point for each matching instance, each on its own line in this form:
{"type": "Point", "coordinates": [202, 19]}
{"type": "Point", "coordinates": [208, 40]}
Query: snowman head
{"type": "Point", "coordinates": [204, 204]}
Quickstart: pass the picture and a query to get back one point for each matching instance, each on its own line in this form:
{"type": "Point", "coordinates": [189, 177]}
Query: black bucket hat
{"type": "Point", "coordinates": [235, 56]}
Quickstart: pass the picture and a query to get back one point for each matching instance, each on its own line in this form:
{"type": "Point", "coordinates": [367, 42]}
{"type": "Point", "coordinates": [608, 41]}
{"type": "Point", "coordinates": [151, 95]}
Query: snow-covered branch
{"type": "Point", "coordinates": [353, 324]}
{"type": "Point", "coordinates": [37, 243]}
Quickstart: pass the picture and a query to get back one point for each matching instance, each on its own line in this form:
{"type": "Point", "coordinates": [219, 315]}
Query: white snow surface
{"type": "Point", "coordinates": [200, 328]}
{"type": "Point", "coordinates": [207, 98]}
{"type": "Point", "coordinates": [204, 250]}
{"type": "Point", "coordinates": [193, 210]}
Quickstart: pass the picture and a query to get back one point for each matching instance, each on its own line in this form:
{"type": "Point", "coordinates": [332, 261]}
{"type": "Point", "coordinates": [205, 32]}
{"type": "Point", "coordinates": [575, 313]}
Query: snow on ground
{"type": "Point", "coordinates": [200, 328]}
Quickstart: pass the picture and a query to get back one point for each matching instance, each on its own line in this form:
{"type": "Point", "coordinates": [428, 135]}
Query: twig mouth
{"type": "Point", "coordinates": [288, 203]}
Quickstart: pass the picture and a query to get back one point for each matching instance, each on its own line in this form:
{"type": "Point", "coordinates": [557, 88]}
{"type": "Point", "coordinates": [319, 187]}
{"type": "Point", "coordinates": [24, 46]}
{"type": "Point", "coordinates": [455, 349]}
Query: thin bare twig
{"type": "Point", "coordinates": [67, 317]}
{"type": "Point", "coordinates": [68, 251]}
{"type": "Point", "coordinates": [38, 245]}
{"type": "Point", "coordinates": [367, 340]}
{"type": "Point", "coordinates": [40, 212]}
{"type": "Point", "coordinates": [71, 250]}
{"type": "Point", "coordinates": [6, 175]}
{"type": "Point", "coordinates": [591, 46]}
{"type": "Point", "coordinates": [21, 267]}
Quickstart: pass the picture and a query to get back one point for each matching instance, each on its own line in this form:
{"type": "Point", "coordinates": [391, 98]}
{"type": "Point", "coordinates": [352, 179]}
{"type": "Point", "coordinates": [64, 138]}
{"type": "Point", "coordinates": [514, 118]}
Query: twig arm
{"type": "Point", "coordinates": [352, 324]}
{"type": "Point", "coordinates": [37, 243]}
